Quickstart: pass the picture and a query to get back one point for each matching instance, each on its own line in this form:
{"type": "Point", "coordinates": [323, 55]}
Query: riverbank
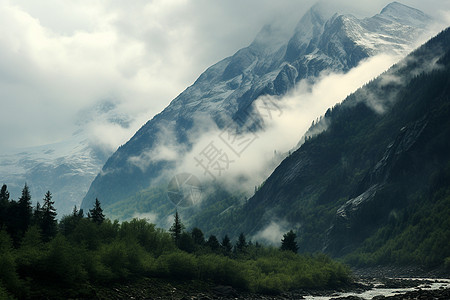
{"type": "Point", "coordinates": [376, 289]}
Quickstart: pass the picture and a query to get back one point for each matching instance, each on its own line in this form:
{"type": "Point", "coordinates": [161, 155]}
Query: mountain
{"type": "Point", "coordinates": [66, 169]}
{"type": "Point", "coordinates": [374, 186]}
{"type": "Point", "coordinates": [224, 95]}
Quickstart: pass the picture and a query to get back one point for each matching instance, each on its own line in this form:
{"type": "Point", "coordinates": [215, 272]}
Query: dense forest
{"type": "Point", "coordinates": [43, 258]}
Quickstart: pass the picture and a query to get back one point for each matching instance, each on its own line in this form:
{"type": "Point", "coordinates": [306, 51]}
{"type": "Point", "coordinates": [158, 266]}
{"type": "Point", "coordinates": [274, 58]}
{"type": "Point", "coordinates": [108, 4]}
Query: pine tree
{"type": "Point", "coordinates": [176, 229]}
{"type": "Point", "coordinates": [288, 242]}
{"type": "Point", "coordinates": [96, 213]}
{"type": "Point", "coordinates": [77, 213]}
{"type": "Point", "coordinates": [48, 223]}
{"type": "Point", "coordinates": [197, 236]}
{"type": "Point", "coordinates": [37, 215]}
{"type": "Point", "coordinates": [226, 245]}
{"type": "Point", "coordinates": [213, 243]}
{"type": "Point", "coordinates": [4, 203]}
{"type": "Point", "coordinates": [24, 210]}
{"type": "Point", "coordinates": [241, 244]}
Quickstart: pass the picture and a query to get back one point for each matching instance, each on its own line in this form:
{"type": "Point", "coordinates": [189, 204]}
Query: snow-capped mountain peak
{"type": "Point", "coordinates": [404, 14]}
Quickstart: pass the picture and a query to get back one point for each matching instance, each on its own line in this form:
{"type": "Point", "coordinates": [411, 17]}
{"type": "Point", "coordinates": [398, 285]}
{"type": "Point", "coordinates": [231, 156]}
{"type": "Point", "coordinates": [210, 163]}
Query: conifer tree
{"type": "Point", "coordinates": [176, 229]}
{"type": "Point", "coordinates": [288, 242]}
{"type": "Point", "coordinates": [213, 243]}
{"type": "Point", "coordinates": [37, 214]}
{"type": "Point", "coordinates": [24, 210]}
{"type": "Point", "coordinates": [48, 223]}
{"type": "Point", "coordinates": [197, 236]}
{"type": "Point", "coordinates": [77, 213]}
{"type": "Point", "coordinates": [226, 245]}
{"type": "Point", "coordinates": [241, 244]}
{"type": "Point", "coordinates": [96, 213]}
{"type": "Point", "coordinates": [4, 203]}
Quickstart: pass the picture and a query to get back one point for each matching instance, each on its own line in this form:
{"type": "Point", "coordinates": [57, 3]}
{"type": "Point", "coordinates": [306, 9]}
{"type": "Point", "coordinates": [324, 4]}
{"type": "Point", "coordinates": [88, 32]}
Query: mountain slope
{"type": "Point", "coordinates": [66, 169]}
{"type": "Point", "coordinates": [224, 94]}
{"type": "Point", "coordinates": [376, 182]}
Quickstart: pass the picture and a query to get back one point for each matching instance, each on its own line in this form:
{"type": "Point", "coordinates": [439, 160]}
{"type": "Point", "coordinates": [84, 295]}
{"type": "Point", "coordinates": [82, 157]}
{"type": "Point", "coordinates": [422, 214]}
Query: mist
{"type": "Point", "coordinates": [286, 119]}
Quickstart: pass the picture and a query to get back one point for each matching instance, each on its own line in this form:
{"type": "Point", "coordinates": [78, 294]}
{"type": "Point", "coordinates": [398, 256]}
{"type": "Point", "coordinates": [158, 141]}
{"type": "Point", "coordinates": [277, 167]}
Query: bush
{"type": "Point", "coordinates": [63, 264]}
{"type": "Point", "coordinates": [179, 265]}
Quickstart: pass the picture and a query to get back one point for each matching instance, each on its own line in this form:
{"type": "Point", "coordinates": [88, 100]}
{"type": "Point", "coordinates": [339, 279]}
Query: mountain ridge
{"type": "Point", "coordinates": [225, 92]}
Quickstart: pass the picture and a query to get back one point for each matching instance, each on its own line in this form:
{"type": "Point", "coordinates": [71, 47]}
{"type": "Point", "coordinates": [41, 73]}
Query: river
{"type": "Point", "coordinates": [380, 289]}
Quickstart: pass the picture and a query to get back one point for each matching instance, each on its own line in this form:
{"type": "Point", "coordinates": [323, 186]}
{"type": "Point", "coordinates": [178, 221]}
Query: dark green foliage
{"type": "Point", "coordinates": [186, 243]}
{"type": "Point", "coordinates": [176, 229]}
{"type": "Point", "coordinates": [24, 210]}
{"type": "Point", "coordinates": [37, 214]}
{"type": "Point", "coordinates": [4, 202]}
{"type": "Point", "coordinates": [68, 223]}
{"type": "Point", "coordinates": [96, 213]}
{"type": "Point", "coordinates": [226, 245]}
{"type": "Point", "coordinates": [213, 243]}
{"type": "Point", "coordinates": [48, 222]}
{"type": "Point", "coordinates": [241, 244]}
{"type": "Point", "coordinates": [197, 236]}
{"type": "Point", "coordinates": [288, 242]}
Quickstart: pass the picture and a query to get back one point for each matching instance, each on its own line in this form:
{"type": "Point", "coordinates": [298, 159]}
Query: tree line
{"type": "Point", "coordinates": [17, 216]}
{"type": "Point", "coordinates": [43, 258]}
{"type": "Point", "coordinates": [195, 241]}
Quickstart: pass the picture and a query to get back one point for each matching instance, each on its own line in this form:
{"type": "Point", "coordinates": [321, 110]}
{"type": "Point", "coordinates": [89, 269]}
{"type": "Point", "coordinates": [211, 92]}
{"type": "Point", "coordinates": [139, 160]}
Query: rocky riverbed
{"type": "Point", "coordinates": [363, 288]}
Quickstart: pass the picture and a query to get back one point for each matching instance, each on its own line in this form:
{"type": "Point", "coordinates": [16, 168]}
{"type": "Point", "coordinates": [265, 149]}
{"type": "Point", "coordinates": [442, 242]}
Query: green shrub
{"type": "Point", "coordinates": [63, 263]}
{"type": "Point", "coordinates": [179, 265]}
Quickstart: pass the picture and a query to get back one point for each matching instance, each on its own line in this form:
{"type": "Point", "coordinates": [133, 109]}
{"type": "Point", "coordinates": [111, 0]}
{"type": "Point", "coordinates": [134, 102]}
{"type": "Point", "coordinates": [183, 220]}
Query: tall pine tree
{"type": "Point", "coordinates": [226, 245]}
{"type": "Point", "coordinates": [25, 211]}
{"type": "Point", "coordinates": [37, 215]}
{"type": "Point", "coordinates": [176, 229]}
{"type": "Point", "coordinates": [48, 222]}
{"type": "Point", "coordinates": [96, 213]}
{"type": "Point", "coordinates": [4, 203]}
{"type": "Point", "coordinates": [241, 244]}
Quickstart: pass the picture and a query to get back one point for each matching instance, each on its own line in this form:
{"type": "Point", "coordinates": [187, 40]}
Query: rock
{"type": "Point", "coordinates": [225, 291]}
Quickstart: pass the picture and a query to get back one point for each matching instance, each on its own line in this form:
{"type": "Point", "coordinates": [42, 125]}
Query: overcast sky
{"type": "Point", "coordinates": [107, 67]}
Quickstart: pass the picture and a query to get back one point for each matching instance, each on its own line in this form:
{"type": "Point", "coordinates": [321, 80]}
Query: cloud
{"type": "Point", "coordinates": [59, 58]}
{"type": "Point", "coordinates": [272, 233]}
{"type": "Point", "coordinates": [149, 216]}
{"type": "Point", "coordinates": [249, 164]}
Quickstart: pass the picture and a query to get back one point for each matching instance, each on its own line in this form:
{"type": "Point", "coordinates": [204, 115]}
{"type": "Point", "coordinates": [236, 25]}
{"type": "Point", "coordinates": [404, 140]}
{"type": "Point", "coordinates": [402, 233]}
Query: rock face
{"type": "Point", "coordinates": [358, 216]}
{"type": "Point", "coordinates": [271, 65]}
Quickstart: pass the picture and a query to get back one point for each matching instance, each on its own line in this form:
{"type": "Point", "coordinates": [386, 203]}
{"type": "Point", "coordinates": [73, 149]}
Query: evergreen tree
{"type": "Point", "coordinates": [213, 243]}
{"type": "Point", "coordinates": [186, 242]}
{"type": "Point", "coordinates": [48, 223]}
{"type": "Point", "coordinates": [241, 244]}
{"type": "Point", "coordinates": [197, 236]}
{"type": "Point", "coordinates": [96, 213]}
{"type": "Point", "coordinates": [37, 215]}
{"type": "Point", "coordinates": [77, 213]}
{"type": "Point", "coordinates": [4, 203]}
{"type": "Point", "coordinates": [288, 242]}
{"type": "Point", "coordinates": [24, 210]}
{"type": "Point", "coordinates": [226, 245]}
{"type": "Point", "coordinates": [176, 229]}
{"type": "Point", "coordinates": [69, 222]}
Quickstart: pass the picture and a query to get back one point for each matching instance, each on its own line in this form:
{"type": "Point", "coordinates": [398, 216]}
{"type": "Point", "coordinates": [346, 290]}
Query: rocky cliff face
{"type": "Point", "coordinates": [223, 94]}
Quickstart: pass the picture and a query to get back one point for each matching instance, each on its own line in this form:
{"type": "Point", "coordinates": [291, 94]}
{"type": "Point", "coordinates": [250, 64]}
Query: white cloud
{"type": "Point", "coordinates": [272, 233]}
{"type": "Point", "coordinates": [58, 58]}
{"type": "Point", "coordinates": [283, 131]}
{"type": "Point", "coordinates": [149, 216]}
